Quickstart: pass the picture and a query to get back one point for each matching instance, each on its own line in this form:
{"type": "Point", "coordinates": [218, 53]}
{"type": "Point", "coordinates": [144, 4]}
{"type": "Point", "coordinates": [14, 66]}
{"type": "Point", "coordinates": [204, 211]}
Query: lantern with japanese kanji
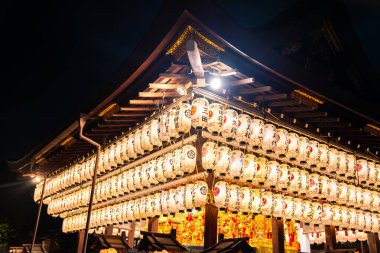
{"type": "Point", "coordinates": [342, 164]}
{"type": "Point", "coordinates": [342, 193]}
{"type": "Point", "coordinates": [230, 124]}
{"type": "Point", "coordinates": [236, 165]}
{"type": "Point", "coordinates": [362, 170]}
{"type": "Point", "coordinates": [215, 118]}
{"type": "Point", "coordinates": [183, 118]}
{"type": "Point", "coordinates": [314, 185]}
{"type": "Point", "coordinates": [261, 174]}
{"type": "Point", "coordinates": [307, 214]}
{"type": "Point", "coordinates": [188, 158]}
{"type": "Point", "coordinates": [235, 198]}
{"type": "Point", "coordinates": [284, 177]}
{"type": "Point", "coordinates": [209, 155]}
{"type": "Point", "coordinates": [367, 200]}
{"type": "Point", "coordinates": [199, 113]}
{"type": "Point", "coordinates": [269, 138]}
{"type": "Point", "coordinates": [145, 138]}
{"type": "Point", "coordinates": [281, 142]}
{"type": "Point", "coordinates": [332, 190]}
{"type": "Point", "coordinates": [172, 126]}
{"type": "Point", "coordinates": [278, 205]}
{"type": "Point", "coordinates": [189, 191]}
{"type": "Point", "coordinates": [223, 160]}
{"type": "Point", "coordinates": [256, 131]}
{"type": "Point", "coordinates": [372, 173]}
{"type": "Point", "coordinates": [267, 203]}
{"type": "Point", "coordinates": [163, 125]}
{"type": "Point", "coordinates": [323, 154]}
{"type": "Point", "coordinates": [171, 201]}
{"type": "Point", "coordinates": [221, 195]}
{"type": "Point", "coordinates": [293, 146]}
{"type": "Point", "coordinates": [168, 167]}
{"type": "Point", "coordinates": [327, 214]}
{"type": "Point", "coordinates": [359, 197]}
{"type": "Point", "coordinates": [243, 125]}
{"type": "Point", "coordinates": [313, 153]}
{"type": "Point", "coordinates": [246, 200]}
{"type": "Point", "coordinates": [180, 198]}
{"type": "Point", "coordinates": [155, 134]}
{"type": "Point", "coordinates": [164, 203]}
{"type": "Point", "coordinates": [273, 174]}
{"type": "Point", "coordinates": [316, 213]}
{"type": "Point", "coordinates": [137, 143]}
{"type": "Point", "coordinates": [345, 217]}
{"type": "Point", "coordinates": [303, 151]}
{"type": "Point", "coordinates": [304, 182]}
{"type": "Point", "coordinates": [249, 167]}
{"type": "Point", "coordinates": [324, 186]}
{"type": "Point", "coordinates": [289, 207]}
{"type": "Point", "coordinates": [298, 209]}
{"type": "Point", "coordinates": [200, 194]}
{"type": "Point", "coordinates": [337, 216]}
{"type": "Point", "coordinates": [177, 165]}
{"type": "Point", "coordinates": [333, 161]}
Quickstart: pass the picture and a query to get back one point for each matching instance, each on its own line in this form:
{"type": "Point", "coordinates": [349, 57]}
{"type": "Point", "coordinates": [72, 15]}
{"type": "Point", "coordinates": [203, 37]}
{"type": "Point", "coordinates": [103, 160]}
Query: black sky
{"type": "Point", "coordinates": [56, 53]}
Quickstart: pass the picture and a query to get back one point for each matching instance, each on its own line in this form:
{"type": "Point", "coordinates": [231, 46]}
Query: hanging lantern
{"type": "Point", "coordinates": [304, 182]}
{"type": "Point", "coordinates": [145, 176]}
{"type": "Point", "coordinates": [351, 236]}
{"type": "Point", "coordinates": [249, 167]}
{"type": "Point", "coordinates": [269, 138]}
{"type": "Point", "coordinates": [367, 200]}
{"type": "Point", "coordinates": [164, 203]}
{"type": "Point", "coordinates": [177, 166]}
{"type": "Point", "coordinates": [230, 121]}
{"type": "Point", "coordinates": [199, 113]}
{"type": "Point", "coordinates": [314, 185]}
{"type": "Point", "coordinates": [368, 222]}
{"type": "Point", "coordinates": [152, 169]}
{"type": "Point", "coordinates": [123, 150]}
{"type": "Point", "coordinates": [362, 236]}
{"type": "Point", "coordinates": [341, 236]}
{"type": "Point", "coordinates": [159, 170]}
{"type": "Point", "coordinates": [342, 164]}
{"type": "Point", "coordinates": [236, 165]}
{"type": "Point", "coordinates": [137, 180]}
{"type": "Point", "coordinates": [130, 182]}
{"type": "Point", "coordinates": [281, 142]}
{"type": "Point", "coordinates": [362, 170]}
{"type": "Point", "coordinates": [342, 193]}
{"type": "Point", "coordinates": [246, 200]}
{"type": "Point", "coordinates": [155, 134]}
{"type": "Point", "coordinates": [149, 206]}
{"type": "Point", "coordinates": [278, 205]}
{"type": "Point", "coordinates": [324, 186]}
{"type": "Point", "coordinates": [145, 138]}
{"type": "Point", "coordinates": [261, 174]}
{"type": "Point", "coordinates": [168, 166]}
{"type": "Point", "coordinates": [320, 238]}
{"type": "Point", "coordinates": [295, 179]}
{"type": "Point", "coordinates": [351, 192]}
{"type": "Point", "coordinates": [375, 206]}
{"type": "Point", "coordinates": [235, 198]}
{"type": "Point", "coordinates": [289, 207]}
{"type": "Point", "coordinates": [353, 218]}
{"type": "Point", "coordinates": [333, 191]}
{"type": "Point", "coordinates": [372, 173]}
{"type": "Point", "coordinates": [180, 199]}
{"type": "Point", "coordinates": [157, 204]}
{"type": "Point", "coordinates": [130, 148]}
{"type": "Point", "coordinates": [359, 197]}
{"type": "Point", "coordinates": [333, 161]}
{"type": "Point", "coordinates": [293, 146]}
{"type": "Point", "coordinates": [267, 203]}
{"type": "Point", "coordinates": [298, 209]}
{"type": "Point", "coordinates": [221, 195]}
{"type": "Point", "coordinates": [183, 118]}
{"type": "Point", "coordinates": [223, 160]}
{"type": "Point", "coordinates": [163, 127]}
{"type": "Point", "coordinates": [242, 132]}
{"type": "Point", "coordinates": [273, 174]}
{"type": "Point", "coordinates": [171, 201]}
{"type": "Point", "coordinates": [324, 156]}
{"type": "Point", "coordinates": [284, 177]}
{"type": "Point", "coordinates": [351, 166]}
{"type": "Point", "coordinates": [377, 166]}
{"type": "Point", "coordinates": [136, 209]}
{"type": "Point", "coordinates": [303, 151]}
{"type": "Point", "coordinates": [375, 223]}
{"type": "Point", "coordinates": [106, 164]}
{"type": "Point", "coordinates": [215, 118]}
{"type": "Point", "coordinates": [189, 190]}
{"type": "Point", "coordinates": [307, 212]}
{"type": "Point", "coordinates": [313, 159]}
{"type": "Point", "coordinates": [361, 220]}
{"type": "Point", "coordinates": [337, 216]}
{"type": "Point", "coordinates": [117, 150]}
{"type": "Point", "coordinates": [316, 213]}
{"type": "Point", "coordinates": [209, 155]}
{"type": "Point", "coordinates": [173, 123]}
{"type": "Point", "coordinates": [188, 158]}
{"type": "Point", "coordinates": [345, 217]}
{"type": "Point", "coordinates": [137, 143]}
{"type": "Point", "coordinates": [143, 207]}
{"type": "Point", "coordinates": [200, 194]}
{"type": "Point", "coordinates": [256, 132]}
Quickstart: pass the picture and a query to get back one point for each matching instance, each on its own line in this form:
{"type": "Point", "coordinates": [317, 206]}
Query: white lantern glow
{"type": "Point", "coordinates": [298, 209]}
{"type": "Point", "coordinates": [304, 182]}
{"type": "Point", "coordinates": [362, 170]}
{"type": "Point", "coordinates": [324, 186]}
{"type": "Point", "coordinates": [337, 216]}
{"type": "Point", "coordinates": [180, 198]}
{"type": "Point", "coordinates": [236, 165]}
{"type": "Point", "coordinates": [293, 146]}
{"type": "Point", "coordinates": [256, 132]}
{"type": "Point", "coordinates": [289, 207]}
{"type": "Point", "coordinates": [281, 142]}
{"type": "Point", "coordinates": [171, 201]}
{"type": "Point", "coordinates": [367, 200]}
{"type": "Point", "coordinates": [130, 148]}
{"type": "Point", "coordinates": [183, 118]}
{"type": "Point", "coordinates": [332, 190]}
{"type": "Point", "coordinates": [163, 128]}
{"type": "Point", "coordinates": [267, 203]}
{"type": "Point", "coordinates": [372, 173]}
{"type": "Point", "coordinates": [327, 214]}
{"type": "Point", "coordinates": [306, 212]}
{"type": "Point", "coordinates": [145, 138]}
{"type": "Point", "coordinates": [351, 192]}
{"type": "Point", "coordinates": [155, 134]}
{"type": "Point", "coordinates": [235, 198]}
{"type": "Point", "coordinates": [261, 174]}
{"type": "Point", "coordinates": [242, 132]}
{"type": "Point", "coordinates": [303, 151]}
{"type": "Point", "coordinates": [284, 177]}
{"type": "Point", "coordinates": [351, 166]}
{"type": "Point", "coordinates": [333, 161]}
{"type": "Point", "coordinates": [137, 143]}
{"type": "Point", "coordinates": [221, 195]}
{"type": "Point", "coordinates": [189, 189]}
{"type": "Point", "coordinates": [295, 179]}
{"type": "Point", "coordinates": [342, 164]}
{"type": "Point", "coordinates": [313, 153]}
{"type": "Point", "coordinates": [246, 200]}
{"type": "Point", "coordinates": [316, 213]}
{"type": "Point", "coordinates": [177, 165]}
{"type": "Point", "coordinates": [188, 158]}
{"type": "Point", "coordinates": [209, 155]}
{"type": "Point", "coordinates": [269, 138]}
{"type": "Point", "coordinates": [215, 118]}
{"type": "Point", "coordinates": [342, 193]}
{"type": "Point", "coordinates": [249, 167]}
{"type": "Point", "coordinates": [200, 194]}
{"type": "Point", "coordinates": [345, 217]}
{"type": "Point", "coordinates": [273, 174]}
{"type": "Point", "coordinates": [230, 121]}
{"type": "Point", "coordinates": [173, 124]}
{"type": "Point", "coordinates": [314, 185]}
{"type": "Point", "coordinates": [199, 113]}
{"type": "Point", "coordinates": [223, 160]}
{"type": "Point", "coordinates": [359, 197]}
{"type": "Point", "coordinates": [324, 156]}
{"type": "Point", "coordinates": [168, 166]}
{"type": "Point", "coordinates": [278, 205]}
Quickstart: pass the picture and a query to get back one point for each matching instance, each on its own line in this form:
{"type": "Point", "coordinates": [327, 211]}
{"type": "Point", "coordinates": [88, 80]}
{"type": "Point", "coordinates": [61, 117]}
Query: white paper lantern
{"type": "Point", "coordinates": [367, 200]}
{"type": "Point", "coordinates": [351, 236]}
{"type": "Point", "coordinates": [351, 166]}
{"type": "Point", "coordinates": [215, 118]}
{"type": "Point", "coordinates": [332, 190]}
{"type": "Point", "coordinates": [159, 170]}
{"type": "Point", "coordinates": [375, 223]}
{"type": "Point", "coordinates": [236, 165]}
{"type": "Point", "coordinates": [188, 158]}
{"type": "Point", "coordinates": [377, 166]}
{"type": "Point", "coordinates": [353, 218]}
{"type": "Point", "coordinates": [130, 147]}
{"type": "Point", "coordinates": [304, 182]}
{"type": "Point", "coordinates": [289, 207]}
{"type": "Point", "coordinates": [163, 127]}
{"type": "Point", "coordinates": [242, 132]}
{"type": "Point", "coordinates": [327, 214]}
{"type": "Point", "coordinates": [149, 206]}
{"type": "Point", "coordinates": [137, 143]}
{"type": "Point", "coordinates": [223, 160]}
{"type": "Point", "coordinates": [342, 193]}
{"type": "Point", "coordinates": [342, 164]}
{"type": "Point", "coordinates": [189, 190]}
{"type": "Point", "coordinates": [261, 174]}
{"type": "Point", "coordinates": [362, 170]}
{"type": "Point", "coordinates": [177, 165]}
{"type": "Point", "coordinates": [246, 200]}
{"type": "Point", "coordinates": [105, 160]}
{"type": "Point", "coordinates": [172, 207]}
{"type": "Point", "coordinates": [221, 195]}
{"type": "Point", "coordinates": [284, 177]}
{"type": "Point", "coordinates": [293, 146]}
{"type": "Point", "coordinates": [136, 209]}
{"type": "Point", "coordinates": [294, 180]}
{"type": "Point", "coordinates": [361, 220]}
{"type": "Point", "coordinates": [307, 214]}
{"type": "Point", "coordinates": [267, 203]}
{"type": "Point", "coordinates": [183, 118]}
{"type": "Point", "coordinates": [314, 185]}
{"type": "Point", "coordinates": [145, 176]}
{"type": "Point", "coordinates": [298, 209]}
{"type": "Point", "coordinates": [249, 167]}
{"type": "Point", "coordinates": [172, 126]}
{"type": "Point", "coordinates": [157, 204]}
{"type": "Point", "coordinates": [324, 186]}
{"type": "Point", "coordinates": [316, 213]}
{"type": "Point", "coordinates": [200, 194]}
{"type": "Point", "coordinates": [372, 174]}
{"type": "Point", "coordinates": [137, 178]}
{"type": "Point", "coordinates": [256, 132]}
{"type": "Point", "coordinates": [269, 138]}
{"type": "Point", "coordinates": [359, 197]}
{"type": "Point", "coordinates": [145, 138]}
{"type": "Point", "coordinates": [281, 142]}
{"type": "Point", "coordinates": [368, 222]}
{"type": "Point", "coordinates": [155, 134]}
{"type": "Point", "coordinates": [324, 156]}
{"type": "Point", "coordinates": [131, 183]}
{"type": "Point", "coordinates": [165, 203]}
{"type": "Point", "coordinates": [337, 216]}
{"type": "Point", "coordinates": [375, 206]}
{"type": "Point", "coordinates": [152, 169]}
{"type": "Point", "coordinates": [199, 113]}
{"type": "Point", "coordinates": [273, 174]}
{"type": "Point", "coordinates": [278, 205]}
{"type": "Point", "coordinates": [345, 217]}
{"type": "Point", "coordinates": [362, 236]}
{"type": "Point", "coordinates": [351, 192]}
{"type": "Point", "coordinates": [333, 161]}
{"type": "Point", "coordinates": [209, 155]}
{"type": "Point", "coordinates": [303, 151]}
{"type": "Point", "coordinates": [143, 207]}
{"type": "Point", "coordinates": [230, 121]}
{"type": "Point", "coordinates": [180, 198]}
{"type": "Point", "coordinates": [313, 159]}
{"type": "Point", "coordinates": [168, 166]}
{"type": "Point", "coordinates": [235, 198]}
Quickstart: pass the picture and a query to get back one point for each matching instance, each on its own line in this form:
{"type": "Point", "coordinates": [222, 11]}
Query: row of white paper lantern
{"type": "Point", "coordinates": [180, 199]}
{"type": "Point", "coordinates": [341, 236]}
{"type": "Point", "coordinates": [174, 164]}
{"type": "Point", "coordinates": [260, 171]}
{"type": "Point", "coordinates": [251, 200]}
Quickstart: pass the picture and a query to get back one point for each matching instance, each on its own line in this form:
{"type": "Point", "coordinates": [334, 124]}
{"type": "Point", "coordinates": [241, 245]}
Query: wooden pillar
{"type": "Point", "coordinates": [153, 225]}
{"type": "Point", "coordinates": [80, 241]}
{"type": "Point", "coordinates": [330, 237]}
{"type": "Point", "coordinates": [373, 243]}
{"type": "Point", "coordinates": [131, 235]}
{"type": "Point", "coordinates": [108, 230]}
{"type": "Point", "coordinates": [278, 238]}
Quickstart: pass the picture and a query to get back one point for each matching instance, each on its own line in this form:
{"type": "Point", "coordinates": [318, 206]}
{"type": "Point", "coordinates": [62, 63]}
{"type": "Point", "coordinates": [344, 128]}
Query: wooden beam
{"type": "Point", "coordinates": [119, 120]}
{"type": "Point", "coordinates": [330, 237]}
{"type": "Point", "coordinates": [122, 115]}
{"type": "Point", "coordinates": [113, 125]}
{"type": "Point", "coordinates": [278, 237]}
{"type": "Point", "coordinates": [131, 235]}
{"type": "Point", "coordinates": [270, 97]}
{"type": "Point", "coordinates": [299, 109]}
{"type": "Point", "coordinates": [255, 90]}
{"type": "Point", "coordinates": [172, 75]}
{"type": "Point", "coordinates": [147, 102]}
{"type": "Point", "coordinates": [373, 242]}
{"type": "Point", "coordinates": [106, 130]}
{"type": "Point", "coordinates": [310, 114]}
{"type": "Point", "coordinates": [136, 109]}
{"type": "Point", "coordinates": [284, 103]}
{"type": "Point", "coordinates": [195, 59]}
{"type": "Point", "coordinates": [241, 82]}
{"type": "Point", "coordinates": [333, 124]}
{"type": "Point", "coordinates": [158, 94]}
{"type": "Point", "coordinates": [163, 86]}
{"type": "Point", "coordinates": [80, 240]}
{"type": "Point", "coordinates": [153, 225]}
{"type": "Point", "coordinates": [329, 119]}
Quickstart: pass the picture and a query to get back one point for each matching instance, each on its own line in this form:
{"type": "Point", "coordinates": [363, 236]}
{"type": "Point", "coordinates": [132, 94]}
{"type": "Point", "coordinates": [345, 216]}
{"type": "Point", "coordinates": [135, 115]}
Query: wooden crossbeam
{"type": "Point", "coordinates": [147, 102]}
{"type": "Point", "coordinates": [137, 109]}
{"type": "Point", "coordinates": [284, 103]}
{"type": "Point", "coordinates": [310, 114]}
{"type": "Point", "coordinates": [241, 82]}
{"type": "Point", "coordinates": [106, 130]}
{"type": "Point", "coordinates": [119, 120]}
{"type": "Point", "coordinates": [122, 115]}
{"type": "Point", "coordinates": [333, 124]}
{"type": "Point", "coordinates": [163, 86]}
{"type": "Point", "coordinates": [327, 119]}
{"type": "Point", "coordinates": [113, 125]}
{"type": "Point", "coordinates": [299, 109]}
{"type": "Point", "coordinates": [270, 97]}
{"type": "Point", "coordinates": [158, 94]}
{"type": "Point", "coordinates": [195, 59]}
{"type": "Point", "coordinates": [255, 90]}
{"type": "Point", "coordinates": [172, 75]}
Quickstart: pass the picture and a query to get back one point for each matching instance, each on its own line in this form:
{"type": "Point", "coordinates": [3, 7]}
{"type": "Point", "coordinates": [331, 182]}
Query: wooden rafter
{"type": "Point", "coordinates": [284, 103]}
{"type": "Point", "coordinates": [299, 109]}
{"type": "Point", "coordinates": [158, 94]}
{"type": "Point", "coordinates": [163, 86]}
{"type": "Point", "coordinates": [255, 90]}
{"type": "Point", "coordinates": [270, 97]}
{"type": "Point", "coordinates": [125, 115]}
{"type": "Point", "coordinates": [136, 109]}
{"type": "Point", "coordinates": [327, 119]}
{"type": "Point", "coordinates": [241, 82]}
{"type": "Point", "coordinates": [147, 102]}
{"type": "Point", "coordinates": [310, 114]}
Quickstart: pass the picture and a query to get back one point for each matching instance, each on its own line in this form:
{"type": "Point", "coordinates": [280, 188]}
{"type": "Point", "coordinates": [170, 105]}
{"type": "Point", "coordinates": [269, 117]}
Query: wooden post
{"type": "Point", "coordinates": [131, 235]}
{"type": "Point", "coordinates": [108, 230]}
{"type": "Point", "coordinates": [330, 237]}
{"type": "Point", "coordinates": [153, 225]}
{"type": "Point", "coordinates": [373, 243]}
{"type": "Point", "coordinates": [80, 241]}
{"type": "Point", "coordinates": [278, 238]}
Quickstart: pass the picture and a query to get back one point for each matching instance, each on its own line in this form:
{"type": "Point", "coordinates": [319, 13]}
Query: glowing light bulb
{"type": "Point", "coordinates": [216, 83]}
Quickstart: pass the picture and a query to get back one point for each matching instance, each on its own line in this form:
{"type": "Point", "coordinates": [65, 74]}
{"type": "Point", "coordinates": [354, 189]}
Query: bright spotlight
{"type": "Point", "coordinates": [37, 179]}
{"type": "Point", "coordinates": [216, 83]}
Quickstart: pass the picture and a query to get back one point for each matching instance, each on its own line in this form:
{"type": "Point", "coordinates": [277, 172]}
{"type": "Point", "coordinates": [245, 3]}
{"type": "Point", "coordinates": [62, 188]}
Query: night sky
{"type": "Point", "coordinates": [56, 55]}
